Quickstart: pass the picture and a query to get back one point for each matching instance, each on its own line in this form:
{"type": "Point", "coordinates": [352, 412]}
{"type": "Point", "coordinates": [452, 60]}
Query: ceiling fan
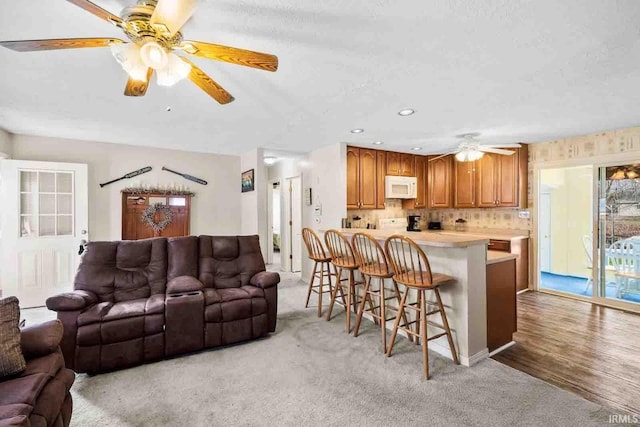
{"type": "Point", "coordinates": [471, 150]}
{"type": "Point", "coordinates": [153, 28]}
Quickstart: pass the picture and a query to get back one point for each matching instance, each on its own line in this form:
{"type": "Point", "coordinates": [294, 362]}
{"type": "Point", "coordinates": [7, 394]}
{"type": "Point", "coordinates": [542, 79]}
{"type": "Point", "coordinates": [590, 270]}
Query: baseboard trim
{"type": "Point", "coordinates": [504, 347]}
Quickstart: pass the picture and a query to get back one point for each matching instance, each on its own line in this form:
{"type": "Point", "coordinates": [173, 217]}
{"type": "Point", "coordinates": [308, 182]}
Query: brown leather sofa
{"type": "Point", "coordinates": [138, 301]}
{"type": "Point", "coordinates": [39, 396]}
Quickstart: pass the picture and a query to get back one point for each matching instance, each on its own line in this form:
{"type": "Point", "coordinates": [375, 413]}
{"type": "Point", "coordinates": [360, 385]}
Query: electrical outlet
{"type": "Point", "coordinates": [524, 214]}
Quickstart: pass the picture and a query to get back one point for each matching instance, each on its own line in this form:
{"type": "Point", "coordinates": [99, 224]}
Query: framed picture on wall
{"type": "Point", "coordinates": [247, 181]}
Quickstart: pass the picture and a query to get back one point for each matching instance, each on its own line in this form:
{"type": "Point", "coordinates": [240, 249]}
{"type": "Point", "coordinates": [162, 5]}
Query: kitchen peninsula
{"type": "Point", "coordinates": [463, 257]}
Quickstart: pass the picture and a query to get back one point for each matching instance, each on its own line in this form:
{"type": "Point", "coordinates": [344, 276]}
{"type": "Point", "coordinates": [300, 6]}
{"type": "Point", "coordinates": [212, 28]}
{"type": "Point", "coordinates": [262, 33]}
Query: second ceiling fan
{"type": "Point", "coordinates": [471, 150]}
{"type": "Point", "coordinates": [153, 28]}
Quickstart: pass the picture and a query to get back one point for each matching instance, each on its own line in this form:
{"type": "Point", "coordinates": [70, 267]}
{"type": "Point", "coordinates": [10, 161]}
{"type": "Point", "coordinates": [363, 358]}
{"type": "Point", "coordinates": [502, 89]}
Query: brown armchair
{"type": "Point", "coordinates": [40, 394]}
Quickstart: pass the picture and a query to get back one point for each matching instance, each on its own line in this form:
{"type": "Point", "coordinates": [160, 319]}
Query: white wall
{"type": "Point", "coordinates": [6, 144]}
{"type": "Point", "coordinates": [215, 207]}
{"type": "Point", "coordinates": [326, 175]}
{"type": "Point", "coordinates": [253, 204]}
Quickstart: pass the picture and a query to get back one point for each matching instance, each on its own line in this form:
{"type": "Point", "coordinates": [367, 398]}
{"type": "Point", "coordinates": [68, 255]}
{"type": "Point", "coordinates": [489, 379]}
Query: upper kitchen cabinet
{"type": "Point", "coordinates": [464, 184]}
{"type": "Point", "coordinates": [400, 164]}
{"type": "Point", "coordinates": [502, 180]}
{"type": "Point", "coordinates": [439, 181]}
{"type": "Point", "coordinates": [362, 178]}
{"type": "Point", "coordinates": [421, 168]}
{"type": "Point", "coordinates": [381, 173]}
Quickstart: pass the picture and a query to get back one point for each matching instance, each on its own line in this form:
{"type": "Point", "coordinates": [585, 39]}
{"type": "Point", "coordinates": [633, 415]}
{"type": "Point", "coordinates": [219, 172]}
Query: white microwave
{"type": "Point", "coordinates": [400, 187]}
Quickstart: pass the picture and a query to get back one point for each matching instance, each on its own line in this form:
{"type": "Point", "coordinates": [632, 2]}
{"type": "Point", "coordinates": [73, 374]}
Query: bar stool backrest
{"type": "Point", "coordinates": [314, 245]}
{"type": "Point", "coordinates": [369, 254]}
{"type": "Point", "coordinates": [340, 249]}
{"type": "Point", "coordinates": [409, 262]}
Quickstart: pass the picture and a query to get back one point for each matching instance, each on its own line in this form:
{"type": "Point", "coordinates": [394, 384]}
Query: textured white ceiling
{"type": "Point", "coordinates": [513, 70]}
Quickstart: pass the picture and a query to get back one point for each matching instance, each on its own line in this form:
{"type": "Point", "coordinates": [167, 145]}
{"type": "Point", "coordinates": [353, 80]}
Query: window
{"type": "Point", "coordinates": [46, 203]}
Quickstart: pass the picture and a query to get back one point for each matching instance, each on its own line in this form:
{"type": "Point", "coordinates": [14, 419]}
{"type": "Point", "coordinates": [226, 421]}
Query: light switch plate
{"type": "Point", "coordinates": [524, 214]}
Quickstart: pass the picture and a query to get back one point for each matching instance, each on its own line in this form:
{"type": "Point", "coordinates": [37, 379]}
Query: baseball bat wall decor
{"type": "Point", "coordinates": [187, 176]}
{"type": "Point", "coordinates": [129, 175]}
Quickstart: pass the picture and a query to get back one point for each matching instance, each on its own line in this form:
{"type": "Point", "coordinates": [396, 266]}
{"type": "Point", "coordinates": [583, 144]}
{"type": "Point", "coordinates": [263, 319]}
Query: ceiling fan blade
{"type": "Point", "coordinates": [53, 44]}
{"type": "Point", "coordinates": [207, 84]}
{"type": "Point", "coordinates": [486, 149]}
{"type": "Point", "coordinates": [443, 155]}
{"type": "Point", "coordinates": [97, 11]}
{"type": "Point", "coordinates": [137, 87]}
{"type": "Point", "coordinates": [173, 14]}
{"type": "Point", "coordinates": [261, 61]}
{"type": "Point", "coordinates": [501, 145]}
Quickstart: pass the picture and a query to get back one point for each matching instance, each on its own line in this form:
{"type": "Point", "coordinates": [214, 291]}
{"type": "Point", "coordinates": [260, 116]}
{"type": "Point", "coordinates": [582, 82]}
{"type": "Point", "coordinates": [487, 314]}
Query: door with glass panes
{"type": "Point", "coordinates": [44, 222]}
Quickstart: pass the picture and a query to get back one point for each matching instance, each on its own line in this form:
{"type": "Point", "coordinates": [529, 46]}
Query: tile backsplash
{"type": "Point", "coordinates": [501, 218]}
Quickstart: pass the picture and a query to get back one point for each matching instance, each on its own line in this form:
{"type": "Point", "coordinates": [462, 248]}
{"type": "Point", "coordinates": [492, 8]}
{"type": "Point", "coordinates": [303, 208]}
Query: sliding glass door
{"type": "Point", "coordinates": [565, 225]}
{"type": "Point", "coordinates": [619, 233]}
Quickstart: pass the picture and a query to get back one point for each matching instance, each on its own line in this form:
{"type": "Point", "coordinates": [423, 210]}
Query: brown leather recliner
{"type": "Point", "coordinates": [137, 301]}
{"type": "Point", "coordinates": [38, 396]}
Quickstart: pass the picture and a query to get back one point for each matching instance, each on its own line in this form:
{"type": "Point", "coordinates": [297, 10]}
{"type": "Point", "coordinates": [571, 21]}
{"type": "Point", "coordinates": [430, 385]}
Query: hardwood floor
{"type": "Point", "coordinates": [590, 350]}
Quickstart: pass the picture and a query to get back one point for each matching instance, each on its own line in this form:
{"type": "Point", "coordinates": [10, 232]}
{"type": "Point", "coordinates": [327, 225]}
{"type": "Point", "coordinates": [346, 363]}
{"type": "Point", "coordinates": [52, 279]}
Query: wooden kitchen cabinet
{"type": "Point", "coordinates": [381, 173]}
{"type": "Point", "coordinates": [502, 320]}
{"type": "Point", "coordinates": [362, 178]}
{"type": "Point", "coordinates": [520, 248]}
{"type": "Point", "coordinates": [464, 183]}
{"type": "Point", "coordinates": [421, 169]}
{"type": "Point", "coordinates": [502, 180]}
{"type": "Point", "coordinates": [439, 182]}
{"type": "Point", "coordinates": [400, 164]}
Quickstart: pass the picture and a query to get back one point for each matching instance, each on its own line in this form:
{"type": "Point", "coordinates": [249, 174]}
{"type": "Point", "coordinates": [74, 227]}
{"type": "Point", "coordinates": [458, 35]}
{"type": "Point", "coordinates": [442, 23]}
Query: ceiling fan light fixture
{"type": "Point", "coordinates": [469, 155]}
{"type": "Point", "coordinates": [406, 112]}
{"type": "Point", "coordinates": [175, 71]}
{"type": "Point", "coordinates": [153, 55]}
{"type": "Point", "coordinates": [128, 56]}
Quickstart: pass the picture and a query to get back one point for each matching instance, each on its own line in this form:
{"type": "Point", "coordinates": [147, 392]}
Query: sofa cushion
{"type": "Point", "coordinates": [229, 261]}
{"type": "Point", "coordinates": [233, 294]}
{"type": "Point", "coordinates": [23, 389]}
{"type": "Point", "coordinates": [49, 365]}
{"type": "Point", "coordinates": [124, 270]}
{"type": "Point", "coordinates": [106, 311]}
{"type": "Point", "coordinates": [182, 257]}
{"type": "Point", "coordinates": [211, 296]}
{"type": "Point", "coordinates": [41, 339]}
{"type": "Point", "coordinates": [11, 359]}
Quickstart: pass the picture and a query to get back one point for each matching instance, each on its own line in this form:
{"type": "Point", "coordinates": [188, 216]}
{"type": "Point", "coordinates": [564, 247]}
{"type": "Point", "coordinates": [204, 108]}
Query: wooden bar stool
{"type": "Point", "coordinates": [373, 264]}
{"type": "Point", "coordinates": [411, 268]}
{"type": "Point", "coordinates": [343, 259]}
{"type": "Point", "coordinates": [320, 258]}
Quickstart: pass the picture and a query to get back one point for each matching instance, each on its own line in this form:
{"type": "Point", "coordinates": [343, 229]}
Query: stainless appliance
{"type": "Point", "coordinates": [434, 225]}
{"type": "Point", "coordinates": [414, 223]}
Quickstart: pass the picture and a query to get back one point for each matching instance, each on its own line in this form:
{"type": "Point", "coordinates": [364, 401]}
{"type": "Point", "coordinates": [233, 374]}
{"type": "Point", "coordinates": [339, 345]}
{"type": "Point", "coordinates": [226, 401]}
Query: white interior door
{"type": "Point", "coordinates": [296, 224]}
{"type": "Point", "coordinates": [43, 223]}
{"type": "Point", "coordinates": [544, 224]}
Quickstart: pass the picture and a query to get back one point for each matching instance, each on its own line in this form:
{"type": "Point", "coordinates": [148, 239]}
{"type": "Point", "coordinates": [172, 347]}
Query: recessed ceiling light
{"type": "Point", "coordinates": [378, 143]}
{"type": "Point", "coordinates": [406, 112]}
{"type": "Point", "coordinates": [417, 148]}
{"type": "Point", "coordinates": [357, 130]}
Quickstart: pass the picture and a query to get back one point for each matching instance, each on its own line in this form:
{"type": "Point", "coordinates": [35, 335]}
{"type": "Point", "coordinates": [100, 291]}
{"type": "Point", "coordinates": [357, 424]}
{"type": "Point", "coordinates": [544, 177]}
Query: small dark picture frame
{"type": "Point", "coordinates": [247, 181]}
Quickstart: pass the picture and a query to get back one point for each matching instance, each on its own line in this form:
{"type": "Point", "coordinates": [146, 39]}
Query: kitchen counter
{"type": "Point", "coordinates": [494, 257]}
{"type": "Point", "coordinates": [489, 233]}
{"type": "Point", "coordinates": [440, 239]}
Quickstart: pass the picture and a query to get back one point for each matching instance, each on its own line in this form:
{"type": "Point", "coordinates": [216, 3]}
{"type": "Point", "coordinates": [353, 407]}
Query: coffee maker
{"type": "Point", "coordinates": [414, 223]}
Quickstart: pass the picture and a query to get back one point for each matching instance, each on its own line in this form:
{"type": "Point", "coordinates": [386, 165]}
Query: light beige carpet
{"type": "Point", "coordinates": [311, 373]}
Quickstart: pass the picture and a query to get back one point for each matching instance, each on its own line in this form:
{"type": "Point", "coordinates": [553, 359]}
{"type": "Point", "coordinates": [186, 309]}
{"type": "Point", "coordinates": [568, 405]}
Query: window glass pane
{"type": "Point", "coordinates": [27, 203]}
{"type": "Point", "coordinates": [65, 225]}
{"type": "Point", "coordinates": [47, 204]}
{"type": "Point", "coordinates": [28, 181]}
{"type": "Point", "coordinates": [65, 205]}
{"type": "Point", "coordinates": [64, 182]}
{"type": "Point", "coordinates": [47, 225]}
{"type": "Point", "coordinates": [27, 226]}
{"type": "Point", "coordinates": [47, 182]}
{"type": "Point", "coordinates": [177, 201]}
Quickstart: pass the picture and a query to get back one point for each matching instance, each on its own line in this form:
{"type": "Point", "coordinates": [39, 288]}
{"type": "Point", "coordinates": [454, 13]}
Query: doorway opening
{"type": "Point", "coordinates": [291, 242]}
{"type": "Point", "coordinates": [275, 225]}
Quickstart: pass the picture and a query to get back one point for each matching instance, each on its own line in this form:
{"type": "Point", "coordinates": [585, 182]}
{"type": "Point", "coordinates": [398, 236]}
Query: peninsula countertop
{"type": "Point", "coordinates": [425, 238]}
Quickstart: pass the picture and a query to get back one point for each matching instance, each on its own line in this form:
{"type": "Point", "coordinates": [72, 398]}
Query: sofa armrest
{"type": "Point", "coordinates": [71, 301]}
{"type": "Point", "coordinates": [41, 339]}
{"type": "Point", "coordinates": [182, 284]}
{"type": "Point", "coordinates": [265, 279]}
